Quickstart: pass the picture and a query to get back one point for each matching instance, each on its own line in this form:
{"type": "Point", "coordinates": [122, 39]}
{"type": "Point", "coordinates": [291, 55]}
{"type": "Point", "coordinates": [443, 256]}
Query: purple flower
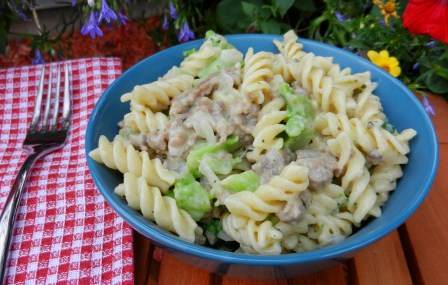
{"type": "Point", "coordinates": [416, 66]}
{"type": "Point", "coordinates": [341, 18]}
{"type": "Point", "coordinates": [173, 11]}
{"type": "Point", "coordinates": [91, 26]}
{"type": "Point", "coordinates": [38, 57]}
{"type": "Point", "coordinates": [427, 106]}
{"type": "Point", "coordinates": [74, 3]}
{"type": "Point", "coordinates": [185, 34]}
{"type": "Point", "coordinates": [122, 18]}
{"type": "Point", "coordinates": [19, 11]}
{"type": "Point", "coordinates": [106, 12]}
{"type": "Point", "coordinates": [165, 24]}
{"type": "Point", "coordinates": [431, 44]}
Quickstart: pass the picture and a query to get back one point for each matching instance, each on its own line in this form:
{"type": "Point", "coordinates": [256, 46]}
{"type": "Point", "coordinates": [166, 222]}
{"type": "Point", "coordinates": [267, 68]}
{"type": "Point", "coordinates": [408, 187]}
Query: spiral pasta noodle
{"type": "Point", "coordinates": [146, 121]}
{"type": "Point", "coordinates": [125, 158]}
{"type": "Point", "coordinates": [161, 209]}
{"type": "Point", "coordinates": [310, 74]}
{"type": "Point", "coordinates": [290, 48]}
{"type": "Point", "coordinates": [373, 140]}
{"type": "Point", "coordinates": [322, 224]}
{"type": "Point", "coordinates": [255, 237]}
{"type": "Point", "coordinates": [196, 61]}
{"type": "Point", "coordinates": [355, 176]}
{"type": "Point", "coordinates": [157, 95]}
{"type": "Point", "coordinates": [256, 74]}
{"type": "Point", "coordinates": [267, 129]}
{"type": "Point", "coordinates": [270, 197]}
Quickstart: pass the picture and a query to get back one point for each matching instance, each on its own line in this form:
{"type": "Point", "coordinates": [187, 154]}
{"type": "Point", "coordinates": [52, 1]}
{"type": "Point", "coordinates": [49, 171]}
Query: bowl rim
{"type": "Point", "coordinates": [335, 251]}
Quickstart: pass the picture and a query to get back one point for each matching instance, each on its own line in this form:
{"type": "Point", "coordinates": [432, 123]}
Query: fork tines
{"type": "Point", "coordinates": [48, 121]}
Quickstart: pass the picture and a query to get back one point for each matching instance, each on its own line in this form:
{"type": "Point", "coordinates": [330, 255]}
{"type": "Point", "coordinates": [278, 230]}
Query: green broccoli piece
{"type": "Point", "coordinates": [217, 40]}
{"type": "Point", "coordinates": [300, 117]}
{"type": "Point", "coordinates": [298, 142]}
{"type": "Point", "coordinates": [220, 164]}
{"type": "Point", "coordinates": [189, 52]}
{"type": "Point", "coordinates": [295, 125]}
{"type": "Point", "coordinates": [192, 197]}
{"type": "Point", "coordinates": [388, 127]}
{"type": "Point", "coordinates": [197, 153]}
{"type": "Point", "coordinates": [296, 104]}
{"type": "Point", "coordinates": [214, 226]}
{"type": "Point", "coordinates": [245, 181]}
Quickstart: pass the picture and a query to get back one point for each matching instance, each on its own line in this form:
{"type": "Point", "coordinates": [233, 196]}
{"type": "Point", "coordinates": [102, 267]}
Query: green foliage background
{"type": "Point", "coordinates": [355, 25]}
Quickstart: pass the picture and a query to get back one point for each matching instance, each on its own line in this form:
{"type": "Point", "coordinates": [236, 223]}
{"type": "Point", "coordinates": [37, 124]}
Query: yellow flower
{"type": "Point", "coordinates": [385, 61]}
{"type": "Point", "coordinates": [388, 9]}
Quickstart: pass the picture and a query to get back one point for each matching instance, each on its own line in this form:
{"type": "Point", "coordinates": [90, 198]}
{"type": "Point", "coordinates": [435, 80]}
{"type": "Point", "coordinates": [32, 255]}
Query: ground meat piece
{"type": "Point", "coordinates": [269, 165]}
{"type": "Point", "coordinates": [156, 142]}
{"type": "Point", "coordinates": [320, 164]}
{"type": "Point", "coordinates": [180, 138]}
{"type": "Point", "coordinates": [182, 103]}
{"type": "Point", "coordinates": [292, 211]}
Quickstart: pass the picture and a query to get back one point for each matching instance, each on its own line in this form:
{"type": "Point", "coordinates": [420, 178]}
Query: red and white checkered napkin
{"type": "Point", "coordinates": [64, 232]}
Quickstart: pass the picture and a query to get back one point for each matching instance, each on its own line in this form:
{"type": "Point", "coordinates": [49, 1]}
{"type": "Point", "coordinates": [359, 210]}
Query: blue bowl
{"type": "Point", "coordinates": [400, 105]}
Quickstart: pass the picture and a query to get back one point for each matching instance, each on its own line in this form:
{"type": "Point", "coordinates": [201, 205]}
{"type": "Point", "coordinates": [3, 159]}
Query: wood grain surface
{"type": "Point", "coordinates": [415, 254]}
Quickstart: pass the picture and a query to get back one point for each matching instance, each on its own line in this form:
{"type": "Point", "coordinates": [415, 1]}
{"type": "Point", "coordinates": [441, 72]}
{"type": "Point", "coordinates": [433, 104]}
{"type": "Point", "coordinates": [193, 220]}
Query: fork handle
{"type": "Point", "coordinates": [9, 212]}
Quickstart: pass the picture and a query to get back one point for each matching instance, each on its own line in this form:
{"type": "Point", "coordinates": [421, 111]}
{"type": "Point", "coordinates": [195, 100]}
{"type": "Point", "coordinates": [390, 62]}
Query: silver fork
{"type": "Point", "coordinates": [47, 132]}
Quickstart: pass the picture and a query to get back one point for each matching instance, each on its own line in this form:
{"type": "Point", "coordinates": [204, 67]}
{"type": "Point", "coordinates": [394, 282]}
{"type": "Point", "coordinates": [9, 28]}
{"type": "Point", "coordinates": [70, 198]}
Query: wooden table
{"type": "Point", "coordinates": [416, 253]}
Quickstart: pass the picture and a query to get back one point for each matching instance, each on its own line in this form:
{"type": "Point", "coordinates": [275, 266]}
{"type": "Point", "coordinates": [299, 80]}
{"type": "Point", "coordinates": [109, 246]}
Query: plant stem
{"type": "Point", "coordinates": [36, 20]}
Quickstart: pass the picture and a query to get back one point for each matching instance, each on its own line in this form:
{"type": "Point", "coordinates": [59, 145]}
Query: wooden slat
{"type": "Point", "coordinates": [155, 257]}
{"type": "Point", "coordinates": [142, 259]}
{"type": "Point", "coordinates": [440, 119]}
{"type": "Point", "coordinates": [175, 271]}
{"type": "Point", "coordinates": [337, 275]}
{"type": "Point", "coordinates": [381, 263]}
{"type": "Point", "coordinates": [236, 281]}
{"type": "Point", "coordinates": [427, 230]}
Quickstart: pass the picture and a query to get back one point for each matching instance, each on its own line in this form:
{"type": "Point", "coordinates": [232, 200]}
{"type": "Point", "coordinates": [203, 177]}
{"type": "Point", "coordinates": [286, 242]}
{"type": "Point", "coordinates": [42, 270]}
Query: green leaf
{"type": "Point", "coordinates": [436, 83]}
{"type": "Point", "coordinates": [305, 5]}
{"type": "Point", "coordinates": [266, 12]}
{"type": "Point", "coordinates": [283, 6]}
{"type": "Point", "coordinates": [230, 16]}
{"type": "Point", "coordinates": [249, 9]}
{"type": "Point", "coordinates": [271, 27]}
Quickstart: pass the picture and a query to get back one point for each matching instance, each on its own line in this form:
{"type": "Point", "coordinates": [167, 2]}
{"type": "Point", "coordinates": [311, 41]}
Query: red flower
{"type": "Point", "coordinates": [427, 17]}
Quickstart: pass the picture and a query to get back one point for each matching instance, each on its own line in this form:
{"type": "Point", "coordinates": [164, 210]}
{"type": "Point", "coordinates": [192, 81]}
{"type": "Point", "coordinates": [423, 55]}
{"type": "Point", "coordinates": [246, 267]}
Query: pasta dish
{"type": "Point", "coordinates": [263, 153]}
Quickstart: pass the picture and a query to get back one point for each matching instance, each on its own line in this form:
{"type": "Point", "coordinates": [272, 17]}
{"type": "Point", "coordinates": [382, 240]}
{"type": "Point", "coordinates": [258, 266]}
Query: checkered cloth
{"type": "Point", "coordinates": [64, 232]}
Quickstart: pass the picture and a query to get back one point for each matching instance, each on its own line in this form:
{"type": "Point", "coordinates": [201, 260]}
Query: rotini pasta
{"type": "Point", "coordinates": [161, 209]}
{"type": "Point", "coordinates": [256, 74]}
{"type": "Point", "coordinates": [267, 129]}
{"type": "Point", "coordinates": [255, 237]}
{"type": "Point", "coordinates": [125, 158]}
{"type": "Point", "coordinates": [197, 61]}
{"type": "Point", "coordinates": [355, 176]}
{"type": "Point", "coordinates": [157, 95]}
{"type": "Point", "coordinates": [290, 48]}
{"type": "Point", "coordinates": [270, 197]}
{"type": "Point", "coordinates": [380, 145]}
{"type": "Point", "coordinates": [145, 121]}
